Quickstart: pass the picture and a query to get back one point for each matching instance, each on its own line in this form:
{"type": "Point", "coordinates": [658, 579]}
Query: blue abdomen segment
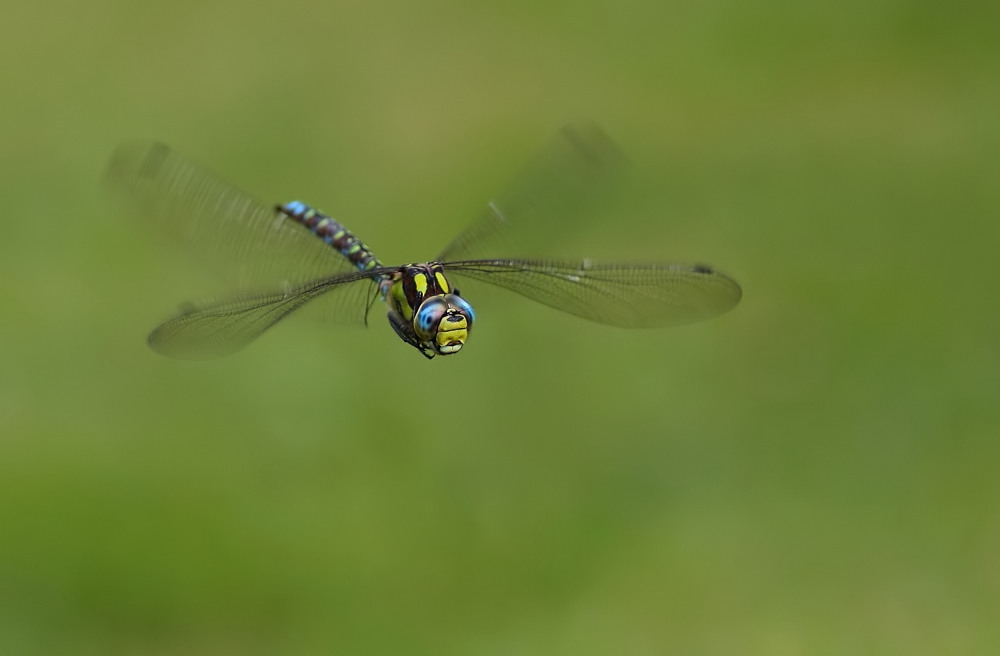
{"type": "Point", "coordinates": [332, 232]}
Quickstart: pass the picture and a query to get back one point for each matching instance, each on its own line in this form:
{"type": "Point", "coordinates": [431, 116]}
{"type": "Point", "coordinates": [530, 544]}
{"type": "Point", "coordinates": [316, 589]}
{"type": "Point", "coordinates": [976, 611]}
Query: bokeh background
{"type": "Point", "coordinates": [814, 473]}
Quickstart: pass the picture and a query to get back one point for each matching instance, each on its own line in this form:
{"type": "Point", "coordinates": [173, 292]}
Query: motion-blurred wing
{"type": "Point", "coordinates": [566, 178]}
{"type": "Point", "coordinates": [249, 242]}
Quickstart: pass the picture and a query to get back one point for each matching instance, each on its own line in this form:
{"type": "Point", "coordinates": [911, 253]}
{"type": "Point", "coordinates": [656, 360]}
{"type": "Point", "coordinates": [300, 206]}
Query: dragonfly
{"type": "Point", "coordinates": [291, 255]}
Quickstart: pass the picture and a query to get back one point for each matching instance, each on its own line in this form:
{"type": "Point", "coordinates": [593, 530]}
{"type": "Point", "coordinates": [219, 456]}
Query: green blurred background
{"type": "Point", "coordinates": [814, 473]}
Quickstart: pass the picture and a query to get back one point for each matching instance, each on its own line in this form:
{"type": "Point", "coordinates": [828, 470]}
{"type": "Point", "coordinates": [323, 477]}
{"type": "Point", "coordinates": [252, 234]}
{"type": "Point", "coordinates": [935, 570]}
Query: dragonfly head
{"type": "Point", "coordinates": [443, 322]}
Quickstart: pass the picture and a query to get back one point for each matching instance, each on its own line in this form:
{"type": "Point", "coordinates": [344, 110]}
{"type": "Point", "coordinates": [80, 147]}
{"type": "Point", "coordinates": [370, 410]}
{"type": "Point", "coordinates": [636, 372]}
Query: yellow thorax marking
{"type": "Point", "coordinates": [442, 281]}
{"type": "Point", "coordinates": [399, 297]}
{"type": "Point", "coordinates": [420, 282]}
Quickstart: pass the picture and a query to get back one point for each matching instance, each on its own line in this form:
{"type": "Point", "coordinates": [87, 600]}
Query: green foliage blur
{"type": "Point", "coordinates": [813, 473]}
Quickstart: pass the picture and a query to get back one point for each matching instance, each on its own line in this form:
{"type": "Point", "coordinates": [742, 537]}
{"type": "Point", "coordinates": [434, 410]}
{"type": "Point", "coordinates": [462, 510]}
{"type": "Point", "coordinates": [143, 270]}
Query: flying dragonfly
{"type": "Point", "coordinates": [291, 254]}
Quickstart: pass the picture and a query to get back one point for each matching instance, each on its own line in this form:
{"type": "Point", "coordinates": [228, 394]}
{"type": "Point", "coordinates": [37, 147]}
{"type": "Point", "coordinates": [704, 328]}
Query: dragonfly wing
{"type": "Point", "coordinates": [626, 295]}
{"type": "Point", "coordinates": [561, 181]}
{"type": "Point", "coordinates": [249, 241]}
{"type": "Point", "coordinates": [221, 327]}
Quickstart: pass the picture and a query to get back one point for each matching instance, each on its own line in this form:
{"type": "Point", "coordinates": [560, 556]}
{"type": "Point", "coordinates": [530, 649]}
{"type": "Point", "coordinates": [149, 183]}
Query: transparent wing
{"type": "Point", "coordinates": [218, 328]}
{"type": "Point", "coordinates": [626, 295]}
{"type": "Point", "coordinates": [566, 178]}
{"type": "Point", "coordinates": [252, 245]}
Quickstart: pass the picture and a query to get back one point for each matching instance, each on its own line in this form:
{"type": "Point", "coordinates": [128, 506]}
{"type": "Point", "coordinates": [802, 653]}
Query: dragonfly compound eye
{"type": "Point", "coordinates": [453, 329]}
{"type": "Point", "coordinates": [429, 316]}
{"type": "Point", "coordinates": [462, 306]}
{"type": "Point", "coordinates": [443, 321]}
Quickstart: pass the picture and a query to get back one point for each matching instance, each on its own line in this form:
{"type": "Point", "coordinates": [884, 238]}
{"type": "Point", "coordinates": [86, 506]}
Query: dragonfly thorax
{"type": "Point", "coordinates": [425, 311]}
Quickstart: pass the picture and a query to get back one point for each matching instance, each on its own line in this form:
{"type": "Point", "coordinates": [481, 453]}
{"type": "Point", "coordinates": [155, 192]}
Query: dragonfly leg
{"type": "Point", "coordinates": [404, 329]}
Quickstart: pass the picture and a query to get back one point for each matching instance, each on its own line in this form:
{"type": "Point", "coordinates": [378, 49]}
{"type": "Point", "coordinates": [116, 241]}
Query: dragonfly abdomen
{"type": "Point", "coordinates": [332, 232]}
